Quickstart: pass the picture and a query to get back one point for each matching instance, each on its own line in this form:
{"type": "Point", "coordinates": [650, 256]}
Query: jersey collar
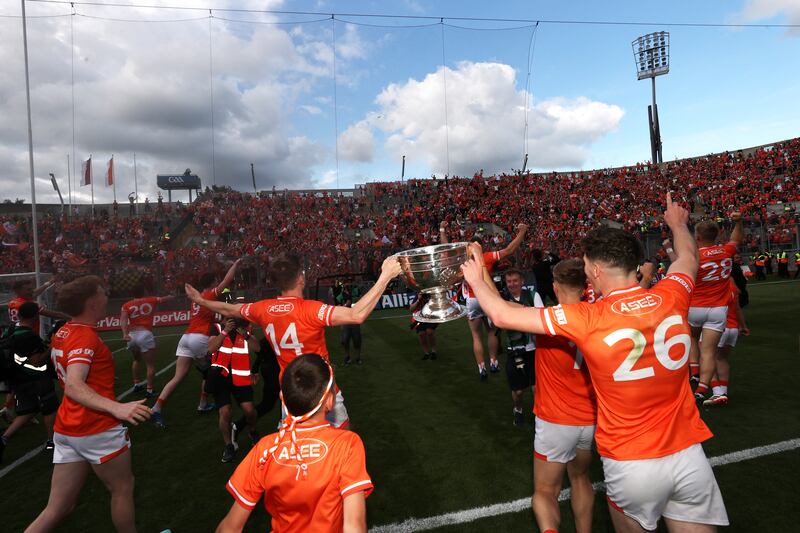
{"type": "Point", "coordinates": [616, 292]}
{"type": "Point", "coordinates": [312, 428]}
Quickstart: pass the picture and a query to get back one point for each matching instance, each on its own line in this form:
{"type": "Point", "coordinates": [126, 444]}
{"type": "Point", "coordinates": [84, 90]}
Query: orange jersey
{"type": "Point", "coordinates": [711, 285]}
{"type": "Point", "coordinates": [636, 345]}
{"type": "Point", "coordinates": [293, 326]}
{"type": "Point", "coordinates": [314, 502]}
{"type": "Point", "coordinates": [140, 312]}
{"type": "Point", "coordinates": [78, 343]}
{"type": "Point", "coordinates": [13, 312]}
{"type": "Point", "coordinates": [202, 319]}
{"type": "Point", "coordinates": [732, 320]}
{"type": "Point", "coordinates": [564, 392]}
{"type": "Point", "coordinates": [489, 259]}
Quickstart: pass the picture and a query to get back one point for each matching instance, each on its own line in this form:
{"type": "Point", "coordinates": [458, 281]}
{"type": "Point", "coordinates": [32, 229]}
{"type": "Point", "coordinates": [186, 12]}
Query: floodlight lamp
{"type": "Point", "coordinates": [651, 54]}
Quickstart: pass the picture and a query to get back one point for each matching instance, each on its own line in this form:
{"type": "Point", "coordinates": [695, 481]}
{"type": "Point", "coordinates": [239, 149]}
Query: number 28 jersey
{"type": "Point", "coordinates": [293, 326]}
{"type": "Point", "coordinates": [712, 287]}
{"type": "Point", "coordinates": [635, 343]}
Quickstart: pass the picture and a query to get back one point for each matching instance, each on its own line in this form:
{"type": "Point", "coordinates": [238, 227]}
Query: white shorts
{"type": "Point", "coordinates": [95, 449]}
{"type": "Point", "coordinates": [142, 340]}
{"type": "Point", "coordinates": [192, 345]}
{"type": "Point", "coordinates": [680, 486]}
{"type": "Point", "coordinates": [729, 337]}
{"type": "Point", "coordinates": [338, 418]}
{"type": "Point", "coordinates": [713, 318]}
{"type": "Point", "coordinates": [474, 309]}
{"type": "Point", "coordinates": [557, 443]}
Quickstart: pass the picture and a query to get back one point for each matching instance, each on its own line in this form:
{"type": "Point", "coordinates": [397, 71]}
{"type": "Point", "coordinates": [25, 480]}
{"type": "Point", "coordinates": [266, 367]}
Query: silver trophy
{"type": "Point", "coordinates": [432, 270]}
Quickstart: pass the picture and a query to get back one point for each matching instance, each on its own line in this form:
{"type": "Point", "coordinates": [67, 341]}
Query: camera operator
{"type": "Point", "coordinates": [31, 379]}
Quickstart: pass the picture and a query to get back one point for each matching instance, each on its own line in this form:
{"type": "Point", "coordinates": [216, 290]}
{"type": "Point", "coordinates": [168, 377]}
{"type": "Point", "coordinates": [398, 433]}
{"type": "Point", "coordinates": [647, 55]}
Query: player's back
{"type": "Point", "coordinates": [711, 284]}
{"type": "Point", "coordinates": [140, 311]}
{"type": "Point", "coordinates": [202, 319]}
{"type": "Point", "coordinates": [564, 392]}
{"type": "Point", "coordinates": [490, 259]}
{"type": "Point", "coordinates": [636, 345]}
{"type": "Point", "coordinates": [293, 326]}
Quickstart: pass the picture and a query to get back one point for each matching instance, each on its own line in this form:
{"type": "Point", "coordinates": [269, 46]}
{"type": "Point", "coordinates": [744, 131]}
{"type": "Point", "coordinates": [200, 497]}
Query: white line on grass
{"type": "Point", "coordinates": [34, 452]}
{"type": "Point", "coordinates": [477, 513]}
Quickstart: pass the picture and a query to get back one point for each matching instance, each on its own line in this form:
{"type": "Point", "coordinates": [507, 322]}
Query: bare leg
{"type": "Point", "coordinates": [494, 344]}
{"type": "Point", "coordinates": [65, 487]}
{"type": "Point", "coordinates": [17, 423]}
{"type": "Point", "coordinates": [582, 495]}
{"type": "Point", "coordinates": [182, 367]}
{"type": "Point", "coordinates": [432, 339]}
{"type": "Point", "coordinates": [225, 423]}
{"type": "Point", "coordinates": [723, 363]}
{"type": "Point", "coordinates": [423, 341]}
{"type": "Point", "coordinates": [546, 487]}
{"type": "Point", "coordinates": [136, 359]}
{"type": "Point", "coordinates": [49, 420]}
{"type": "Point", "coordinates": [624, 523]}
{"type": "Point", "coordinates": [117, 476]}
{"type": "Point", "coordinates": [708, 351]}
{"type": "Point", "coordinates": [250, 415]}
{"type": "Point", "coordinates": [476, 328]}
{"type": "Point", "coordinates": [150, 360]}
{"type": "Point", "coordinates": [676, 526]}
{"type": "Point", "coordinates": [516, 397]}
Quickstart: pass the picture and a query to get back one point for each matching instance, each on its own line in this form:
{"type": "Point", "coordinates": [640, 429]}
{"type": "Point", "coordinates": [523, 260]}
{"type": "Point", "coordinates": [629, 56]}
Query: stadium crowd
{"type": "Point", "coordinates": [351, 234]}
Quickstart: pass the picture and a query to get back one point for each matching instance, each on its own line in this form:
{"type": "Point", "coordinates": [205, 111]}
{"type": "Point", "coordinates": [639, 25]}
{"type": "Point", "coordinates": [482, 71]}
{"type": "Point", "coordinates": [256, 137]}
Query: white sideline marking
{"type": "Point", "coordinates": [34, 452]}
{"type": "Point", "coordinates": [470, 515]}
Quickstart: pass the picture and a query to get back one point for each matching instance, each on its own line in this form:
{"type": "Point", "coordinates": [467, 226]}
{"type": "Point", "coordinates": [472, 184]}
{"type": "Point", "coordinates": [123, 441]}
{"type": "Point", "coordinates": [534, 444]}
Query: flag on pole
{"type": "Point", "coordinates": [110, 172]}
{"type": "Point", "coordinates": [86, 172]}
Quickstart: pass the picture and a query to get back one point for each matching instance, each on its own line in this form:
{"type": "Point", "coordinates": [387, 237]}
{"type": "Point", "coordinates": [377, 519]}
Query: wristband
{"type": "Point", "coordinates": [670, 250]}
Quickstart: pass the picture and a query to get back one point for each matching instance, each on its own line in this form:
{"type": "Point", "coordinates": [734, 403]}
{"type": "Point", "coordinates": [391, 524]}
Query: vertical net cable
{"type": "Point", "coordinates": [444, 80]}
{"type": "Point", "coordinates": [335, 101]}
{"type": "Point", "coordinates": [531, 49]}
{"type": "Point", "coordinates": [72, 85]}
{"type": "Point", "coordinates": [211, 92]}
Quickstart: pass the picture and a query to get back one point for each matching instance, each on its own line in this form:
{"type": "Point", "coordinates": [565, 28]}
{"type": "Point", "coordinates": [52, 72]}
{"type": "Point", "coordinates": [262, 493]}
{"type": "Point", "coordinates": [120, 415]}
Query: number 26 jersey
{"type": "Point", "coordinates": [635, 343]}
{"type": "Point", "coordinates": [293, 326]}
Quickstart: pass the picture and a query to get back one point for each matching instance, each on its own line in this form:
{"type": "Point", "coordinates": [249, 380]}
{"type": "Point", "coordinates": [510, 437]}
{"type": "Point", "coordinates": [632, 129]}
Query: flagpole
{"type": "Point", "coordinates": [113, 178]}
{"type": "Point", "coordinates": [135, 187]}
{"type": "Point", "coordinates": [69, 188]}
{"type": "Point", "coordinates": [91, 179]}
{"type": "Point", "coordinates": [30, 148]}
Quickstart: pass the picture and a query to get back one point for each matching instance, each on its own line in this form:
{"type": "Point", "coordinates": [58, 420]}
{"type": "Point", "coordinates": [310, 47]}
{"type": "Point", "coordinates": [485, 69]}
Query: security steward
{"type": "Point", "coordinates": [229, 375]}
{"type": "Point", "coordinates": [760, 261]}
{"type": "Point", "coordinates": [783, 264]}
{"type": "Point", "coordinates": [30, 375]}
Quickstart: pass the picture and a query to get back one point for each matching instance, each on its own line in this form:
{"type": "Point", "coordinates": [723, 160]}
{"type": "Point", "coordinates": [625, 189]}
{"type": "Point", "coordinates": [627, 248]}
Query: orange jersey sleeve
{"type": "Point", "coordinates": [636, 343]}
{"type": "Point", "coordinates": [140, 311]}
{"type": "Point", "coordinates": [336, 468]}
{"type": "Point", "coordinates": [711, 283]}
{"type": "Point", "coordinates": [74, 344]}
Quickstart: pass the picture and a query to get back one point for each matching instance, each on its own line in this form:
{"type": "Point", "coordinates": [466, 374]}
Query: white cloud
{"type": "Point", "coordinates": [357, 143]}
{"type": "Point", "coordinates": [486, 122]}
{"type": "Point", "coordinates": [755, 10]}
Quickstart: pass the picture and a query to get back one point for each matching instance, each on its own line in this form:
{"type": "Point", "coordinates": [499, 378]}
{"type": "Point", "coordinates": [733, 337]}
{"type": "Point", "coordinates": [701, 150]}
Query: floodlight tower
{"type": "Point", "coordinates": [651, 54]}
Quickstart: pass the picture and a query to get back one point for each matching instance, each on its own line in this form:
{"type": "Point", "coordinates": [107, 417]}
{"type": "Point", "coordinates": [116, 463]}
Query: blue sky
{"type": "Point", "coordinates": [145, 87]}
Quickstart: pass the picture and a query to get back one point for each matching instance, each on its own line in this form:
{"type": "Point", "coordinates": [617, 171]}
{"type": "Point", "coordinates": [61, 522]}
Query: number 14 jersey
{"type": "Point", "coordinates": [635, 343]}
{"type": "Point", "coordinates": [293, 326]}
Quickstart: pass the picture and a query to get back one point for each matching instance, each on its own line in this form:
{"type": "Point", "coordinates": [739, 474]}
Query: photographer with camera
{"type": "Point", "coordinates": [520, 346]}
{"type": "Point", "coordinates": [230, 375]}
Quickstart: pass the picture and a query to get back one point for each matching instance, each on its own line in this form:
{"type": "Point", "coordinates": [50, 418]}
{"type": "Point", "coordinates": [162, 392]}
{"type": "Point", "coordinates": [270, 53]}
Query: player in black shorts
{"type": "Point", "coordinates": [30, 375]}
{"type": "Point", "coordinates": [425, 330]}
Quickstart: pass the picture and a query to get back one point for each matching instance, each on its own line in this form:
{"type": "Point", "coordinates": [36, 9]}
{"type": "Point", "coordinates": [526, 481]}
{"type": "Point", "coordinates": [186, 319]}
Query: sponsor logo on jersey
{"type": "Point", "coordinates": [282, 308]}
{"type": "Point", "coordinates": [561, 317]}
{"type": "Point", "coordinates": [62, 333]}
{"type": "Point", "coordinates": [713, 251]}
{"type": "Point", "coordinates": [312, 450]}
{"type": "Point", "coordinates": [637, 305]}
{"type": "Point", "coordinates": [681, 281]}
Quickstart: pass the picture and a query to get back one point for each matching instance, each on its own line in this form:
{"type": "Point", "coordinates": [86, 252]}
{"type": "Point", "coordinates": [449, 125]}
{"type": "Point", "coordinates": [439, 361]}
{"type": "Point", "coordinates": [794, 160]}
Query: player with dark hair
{"type": "Point", "coordinates": [709, 303]}
{"type": "Point", "coordinates": [636, 345]}
{"type": "Point", "coordinates": [88, 434]}
{"type": "Point", "coordinates": [312, 477]}
{"type": "Point", "coordinates": [193, 345]}
{"type": "Point", "coordinates": [31, 379]}
{"type": "Point", "coordinates": [565, 409]}
{"type": "Point", "coordinates": [136, 322]}
{"type": "Point", "coordinates": [294, 325]}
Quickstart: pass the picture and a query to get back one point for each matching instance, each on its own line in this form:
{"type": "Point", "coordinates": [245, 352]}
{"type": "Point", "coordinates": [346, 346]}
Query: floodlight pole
{"type": "Point", "coordinates": [30, 147]}
{"type": "Point", "coordinates": [655, 133]}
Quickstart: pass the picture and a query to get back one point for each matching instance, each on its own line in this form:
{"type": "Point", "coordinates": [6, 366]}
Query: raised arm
{"type": "Point", "coordinates": [124, 322]}
{"type": "Point", "coordinates": [42, 288]}
{"type": "Point", "coordinates": [361, 309]}
{"type": "Point", "coordinates": [229, 275]}
{"type": "Point", "coordinates": [514, 244]}
{"type": "Point", "coordinates": [443, 232]}
{"type": "Point", "coordinates": [216, 341]}
{"type": "Point", "coordinates": [222, 308]}
{"type": "Point", "coordinates": [502, 314]}
{"type": "Point", "coordinates": [686, 260]}
{"type": "Point", "coordinates": [737, 235]}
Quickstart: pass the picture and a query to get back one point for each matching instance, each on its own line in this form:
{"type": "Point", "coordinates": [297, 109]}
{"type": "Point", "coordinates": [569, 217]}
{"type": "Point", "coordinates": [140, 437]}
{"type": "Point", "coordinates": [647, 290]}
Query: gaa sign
{"type": "Point", "coordinates": [171, 182]}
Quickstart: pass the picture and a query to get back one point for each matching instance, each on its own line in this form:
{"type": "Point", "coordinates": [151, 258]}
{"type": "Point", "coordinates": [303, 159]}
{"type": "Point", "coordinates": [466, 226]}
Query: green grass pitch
{"type": "Point", "coordinates": [437, 439]}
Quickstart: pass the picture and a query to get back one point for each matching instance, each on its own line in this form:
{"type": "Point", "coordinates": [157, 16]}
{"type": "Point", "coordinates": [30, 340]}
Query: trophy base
{"type": "Point", "coordinates": [440, 308]}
